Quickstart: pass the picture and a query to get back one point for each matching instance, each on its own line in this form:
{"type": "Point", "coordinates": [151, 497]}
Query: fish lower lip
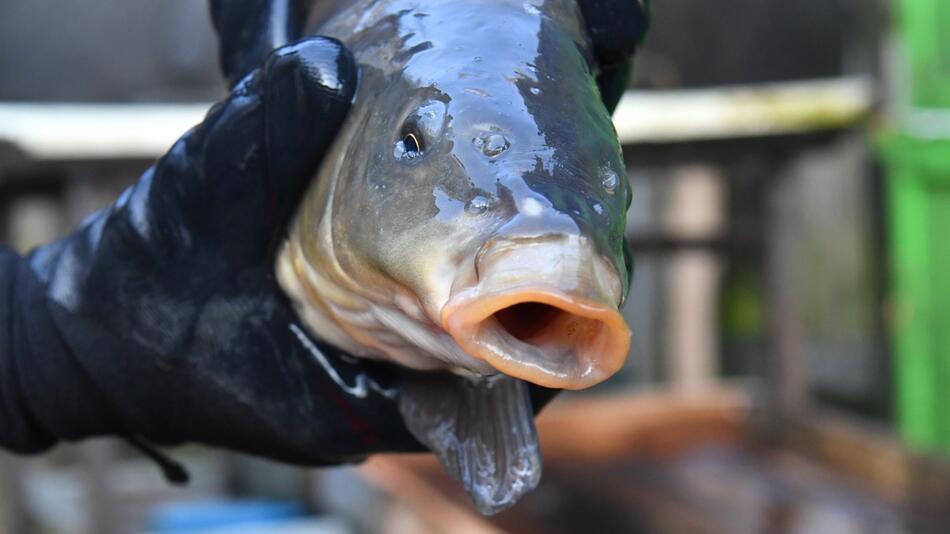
{"type": "Point", "coordinates": [541, 334]}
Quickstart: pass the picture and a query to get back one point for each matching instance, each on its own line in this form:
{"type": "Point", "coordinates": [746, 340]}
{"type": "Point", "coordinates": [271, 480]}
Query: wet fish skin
{"type": "Point", "coordinates": [518, 187]}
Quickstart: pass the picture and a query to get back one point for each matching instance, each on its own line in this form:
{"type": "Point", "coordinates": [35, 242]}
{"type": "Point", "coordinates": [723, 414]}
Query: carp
{"type": "Point", "coordinates": [469, 217]}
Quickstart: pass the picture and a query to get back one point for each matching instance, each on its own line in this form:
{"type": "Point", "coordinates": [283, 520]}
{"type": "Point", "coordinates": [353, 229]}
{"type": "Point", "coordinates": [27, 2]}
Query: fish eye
{"type": "Point", "coordinates": [412, 145]}
{"type": "Point", "coordinates": [421, 131]}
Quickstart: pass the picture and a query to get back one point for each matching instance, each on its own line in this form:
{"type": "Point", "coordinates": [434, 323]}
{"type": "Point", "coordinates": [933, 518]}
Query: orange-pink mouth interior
{"type": "Point", "coordinates": [542, 335]}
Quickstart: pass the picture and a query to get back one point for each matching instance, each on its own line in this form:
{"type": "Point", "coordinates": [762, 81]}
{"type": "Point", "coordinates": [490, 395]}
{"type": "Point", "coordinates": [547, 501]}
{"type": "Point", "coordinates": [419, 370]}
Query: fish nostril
{"type": "Point", "coordinates": [491, 144]}
{"type": "Point", "coordinates": [610, 181]}
{"type": "Point", "coordinates": [477, 205]}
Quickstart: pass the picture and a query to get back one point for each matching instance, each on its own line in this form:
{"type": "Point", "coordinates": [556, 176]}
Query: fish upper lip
{"type": "Point", "coordinates": [553, 358]}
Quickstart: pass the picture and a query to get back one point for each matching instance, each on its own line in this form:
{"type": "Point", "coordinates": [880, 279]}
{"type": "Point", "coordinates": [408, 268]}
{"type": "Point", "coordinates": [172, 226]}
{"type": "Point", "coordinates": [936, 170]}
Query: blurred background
{"type": "Point", "coordinates": [790, 163]}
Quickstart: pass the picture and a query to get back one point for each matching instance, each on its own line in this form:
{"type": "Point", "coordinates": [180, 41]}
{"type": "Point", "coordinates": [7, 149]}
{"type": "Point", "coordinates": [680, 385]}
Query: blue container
{"type": "Point", "coordinates": [184, 517]}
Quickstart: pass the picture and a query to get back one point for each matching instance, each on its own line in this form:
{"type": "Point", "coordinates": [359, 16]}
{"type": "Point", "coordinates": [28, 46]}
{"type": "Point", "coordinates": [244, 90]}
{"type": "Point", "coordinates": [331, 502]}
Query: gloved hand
{"type": "Point", "coordinates": [160, 318]}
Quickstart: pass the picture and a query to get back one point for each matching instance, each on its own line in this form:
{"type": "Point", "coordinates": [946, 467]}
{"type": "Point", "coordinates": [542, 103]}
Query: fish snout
{"type": "Point", "coordinates": [543, 310]}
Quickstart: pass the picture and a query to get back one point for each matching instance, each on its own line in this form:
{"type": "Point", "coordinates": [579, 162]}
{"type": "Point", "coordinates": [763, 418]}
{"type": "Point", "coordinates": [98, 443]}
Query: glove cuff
{"type": "Point", "coordinates": [44, 393]}
{"type": "Point", "coordinates": [19, 429]}
{"type": "Point", "coordinates": [48, 393]}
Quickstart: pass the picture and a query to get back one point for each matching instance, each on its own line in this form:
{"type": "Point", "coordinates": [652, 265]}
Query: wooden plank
{"type": "Point", "coordinates": [786, 374]}
{"type": "Point", "coordinates": [743, 111]}
{"type": "Point", "coordinates": [694, 210]}
{"type": "Point", "coordinates": [658, 423]}
{"type": "Point", "coordinates": [96, 131]}
{"type": "Point", "coordinates": [108, 131]}
{"type": "Point", "coordinates": [873, 457]}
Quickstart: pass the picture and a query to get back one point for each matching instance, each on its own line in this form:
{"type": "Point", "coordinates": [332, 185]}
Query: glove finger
{"type": "Point", "coordinates": [249, 30]}
{"type": "Point", "coordinates": [296, 146]}
{"type": "Point", "coordinates": [615, 27]}
{"type": "Point", "coordinates": [229, 184]}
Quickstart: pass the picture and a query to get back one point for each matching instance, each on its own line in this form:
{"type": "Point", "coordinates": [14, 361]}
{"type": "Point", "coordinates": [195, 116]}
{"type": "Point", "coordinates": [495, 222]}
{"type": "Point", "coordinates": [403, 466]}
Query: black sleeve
{"type": "Point", "coordinates": [46, 394]}
{"type": "Point", "coordinates": [19, 431]}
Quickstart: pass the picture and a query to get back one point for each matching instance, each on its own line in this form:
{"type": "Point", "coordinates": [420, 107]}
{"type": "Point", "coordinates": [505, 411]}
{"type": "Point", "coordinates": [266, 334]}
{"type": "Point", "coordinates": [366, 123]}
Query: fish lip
{"type": "Point", "coordinates": [469, 319]}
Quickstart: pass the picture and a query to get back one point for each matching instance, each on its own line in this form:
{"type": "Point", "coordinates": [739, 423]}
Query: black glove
{"type": "Point", "coordinates": [160, 318]}
{"type": "Point", "coordinates": [248, 30]}
{"type": "Point", "coordinates": [616, 28]}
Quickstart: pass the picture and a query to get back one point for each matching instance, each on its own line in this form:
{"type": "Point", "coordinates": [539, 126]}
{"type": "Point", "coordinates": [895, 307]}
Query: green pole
{"type": "Point", "coordinates": [917, 161]}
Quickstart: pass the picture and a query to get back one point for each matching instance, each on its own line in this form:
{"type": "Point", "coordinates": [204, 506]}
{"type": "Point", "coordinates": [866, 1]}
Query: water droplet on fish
{"type": "Point", "coordinates": [477, 205]}
{"type": "Point", "coordinates": [599, 208]}
{"type": "Point", "coordinates": [535, 91]}
{"type": "Point", "coordinates": [611, 181]}
{"type": "Point", "coordinates": [491, 144]}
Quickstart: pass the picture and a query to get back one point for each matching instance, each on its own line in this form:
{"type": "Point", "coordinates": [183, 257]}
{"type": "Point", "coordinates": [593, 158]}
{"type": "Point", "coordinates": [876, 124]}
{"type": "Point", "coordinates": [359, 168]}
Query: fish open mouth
{"type": "Point", "coordinates": [542, 335]}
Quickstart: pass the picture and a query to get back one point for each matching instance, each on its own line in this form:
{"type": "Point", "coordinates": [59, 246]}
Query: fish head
{"type": "Point", "coordinates": [476, 201]}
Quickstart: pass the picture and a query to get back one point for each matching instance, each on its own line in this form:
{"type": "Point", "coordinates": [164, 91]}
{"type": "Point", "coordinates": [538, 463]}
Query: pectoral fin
{"type": "Point", "coordinates": [481, 429]}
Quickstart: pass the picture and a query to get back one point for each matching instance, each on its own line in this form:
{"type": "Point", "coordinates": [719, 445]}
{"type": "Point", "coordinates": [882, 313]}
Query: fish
{"type": "Point", "coordinates": [469, 219]}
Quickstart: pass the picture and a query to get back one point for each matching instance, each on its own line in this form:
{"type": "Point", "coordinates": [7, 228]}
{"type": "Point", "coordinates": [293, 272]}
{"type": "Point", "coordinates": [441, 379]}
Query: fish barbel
{"type": "Point", "coordinates": [470, 214]}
